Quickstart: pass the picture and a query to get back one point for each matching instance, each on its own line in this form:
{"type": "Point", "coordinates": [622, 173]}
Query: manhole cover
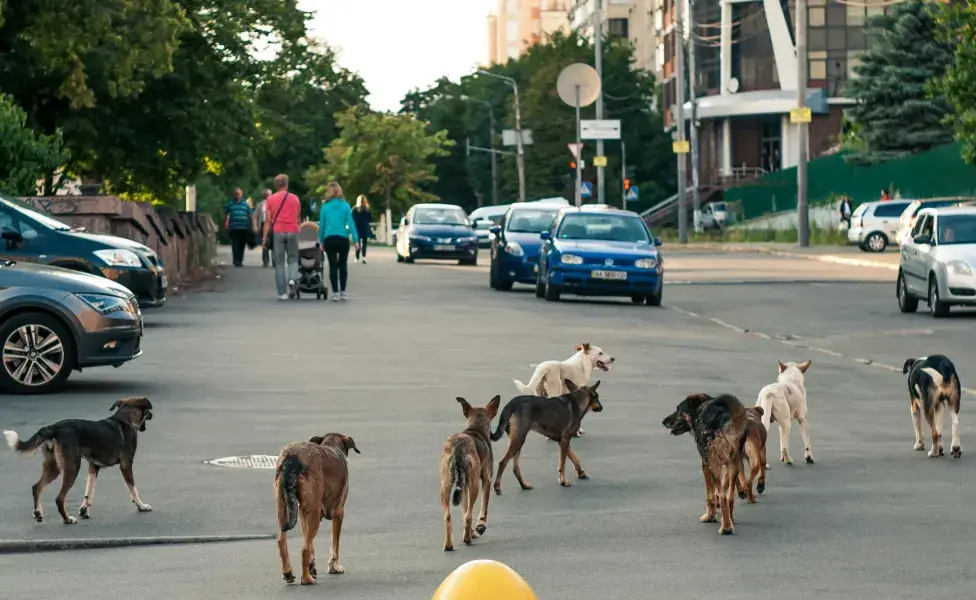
{"type": "Point", "coordinates": [255, 461]}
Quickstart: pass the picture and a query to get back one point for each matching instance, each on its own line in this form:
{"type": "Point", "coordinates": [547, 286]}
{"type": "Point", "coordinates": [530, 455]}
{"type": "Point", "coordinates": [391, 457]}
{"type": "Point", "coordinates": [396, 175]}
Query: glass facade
{"type": "Point", "coordinates": [837, 35]}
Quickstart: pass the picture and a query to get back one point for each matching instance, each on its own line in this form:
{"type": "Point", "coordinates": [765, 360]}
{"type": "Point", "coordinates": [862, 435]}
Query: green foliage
{"type": "Point", "coordinates": [895, 114]}
{"type": "Point", "coordinates": [819, 236]}
{"type": "Point", "coordinates": [25, 156]}
{"type": "Point", "coordinates": [957, 26]}
{"type": "Point", "coordinates": [383, 155]}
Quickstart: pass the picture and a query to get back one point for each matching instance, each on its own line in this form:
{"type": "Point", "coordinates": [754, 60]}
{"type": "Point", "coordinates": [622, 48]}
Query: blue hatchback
{"type": "Point", "coordinates": [600, 252]}
{"type": "Point", "coordinates": [516, 244]}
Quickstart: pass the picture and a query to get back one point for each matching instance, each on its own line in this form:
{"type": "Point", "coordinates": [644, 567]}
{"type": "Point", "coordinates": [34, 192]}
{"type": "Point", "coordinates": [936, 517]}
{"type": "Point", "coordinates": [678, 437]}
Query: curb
{"type": "Point", "coordinates": [30, 546]}
{"type": "Point", "coordinates": [829, 258]}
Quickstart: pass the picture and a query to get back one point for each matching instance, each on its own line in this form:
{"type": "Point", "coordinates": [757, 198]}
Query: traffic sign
{"type": "Point", "coordinates": [681, 147]}
{"type": "Point", "coordinates": [599, 161]}
{"type": "Point", "coordinates": [510, 139]}
{"type": "Point", "coordinates": [632, 193]}
{"type": "Point", "coordinates": [603, 129]}
{"type": "Point", "coordinates": [800, 115]}
{"type": "Point", "coordinates": [574, 149]}
{"type": "Point", "coordinates": [586, 190]}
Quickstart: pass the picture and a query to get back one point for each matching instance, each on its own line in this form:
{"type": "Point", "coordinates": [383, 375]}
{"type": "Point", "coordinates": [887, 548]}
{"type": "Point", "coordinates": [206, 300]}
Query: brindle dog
{"type": "Point", "coordinates": [754, 449]}
{"type": "Point", "coordinates": [719, 426]}
{"type": "Point", "coordinates": [466, 463]}
{"type": "Point", "coordinates": [558, 418]}
{"type": "Point", "coordinates": [312, 480]}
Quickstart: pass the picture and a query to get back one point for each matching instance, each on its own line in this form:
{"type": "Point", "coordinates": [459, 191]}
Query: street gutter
{"type": "Point", "coordinates": [829, 258]}
{"type": "Point", "coordinates": [29, 546]}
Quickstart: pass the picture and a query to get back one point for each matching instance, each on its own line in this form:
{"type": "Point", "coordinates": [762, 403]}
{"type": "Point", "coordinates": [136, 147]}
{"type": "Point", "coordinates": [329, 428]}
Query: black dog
{"type": "Point", "coordinates": [932, 384]}
{"type": "Point", "coordinates": [104, 443]}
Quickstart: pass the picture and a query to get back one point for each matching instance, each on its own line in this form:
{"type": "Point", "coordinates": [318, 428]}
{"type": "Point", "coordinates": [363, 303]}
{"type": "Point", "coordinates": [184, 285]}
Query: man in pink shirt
{"type": "Point", "coordinates": [281, 230]}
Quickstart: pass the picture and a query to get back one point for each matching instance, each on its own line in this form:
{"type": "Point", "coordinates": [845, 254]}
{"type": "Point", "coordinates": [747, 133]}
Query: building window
{"type": "Point", "coordinates": [853, 61]}
{"type": "Point", "coordinates": [512, 31]}
{"type": "Point", "coordinates": [817, 65]}
{"type": "Point", "coordinates": [855, 15]}
{"type": "Point", "coordinates": [836, 15]}
{"type": "Point", "coordinates": [817, 17]}
{"type": "Point", "coordinates": [836, 38]}
{"type": "Point", "coordinates": [812, 3]}
{"type": "Point", "coordinates": [617, 28]}
{"type": "Point", "coordinates": [817, 39]}
{"type": "Point", "coordinates": [874, 11]}
{"type": "Point", "coordinates": [856, 39]}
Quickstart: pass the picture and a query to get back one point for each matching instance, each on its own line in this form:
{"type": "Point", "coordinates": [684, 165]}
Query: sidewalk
{"type": "Point", "coordinates": [845, 255]}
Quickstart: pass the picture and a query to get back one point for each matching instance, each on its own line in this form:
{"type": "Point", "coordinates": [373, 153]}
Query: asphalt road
{"type": "Point", "coordinates": [234, 372]}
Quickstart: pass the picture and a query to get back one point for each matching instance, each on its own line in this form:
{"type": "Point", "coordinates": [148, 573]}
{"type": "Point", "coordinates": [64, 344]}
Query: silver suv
{"type": "Point", "coordinates": [875, 224]}
{"type": "Point", "coordinates": [937, 261]}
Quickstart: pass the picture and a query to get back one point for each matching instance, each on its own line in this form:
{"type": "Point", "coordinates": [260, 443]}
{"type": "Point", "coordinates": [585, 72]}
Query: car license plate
{"type": "Point", "coordinates": [443, 248]}
{"type": "Point", "coordinates": [162, 280]}
{"type": "Point", "coordinates": [614, 275]}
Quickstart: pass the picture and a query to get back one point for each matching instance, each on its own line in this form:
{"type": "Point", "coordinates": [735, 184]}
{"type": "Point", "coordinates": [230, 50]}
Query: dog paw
{"type": "Point", "coordinates": [481, 528]}
{"type": "Point", "coordinates": [312, 570]}
{"type": "Point", "coordinates": [742, 495]}
{"type": "Point", "coordinates": [752, 501]}
{"type": "Point", "coordinates": [467, 541]}
{"type": "Point", "coordinates": [706, 518]}
{"type": "Point", "coordinates": [918, 446]}
{"type": "Point", "coordinates": [809, 460]}
{"type": "Point", "coordinates": [448, 548]}
{"type": "Point", "coordinates": [335, 569]}
{"type": "Point", "coordinates": [941, 451]}
{"type": "Point", "coordinates": [498, 490]}
{"type": "Point", "coordinates": [956, 452]}
{"type": "Point", "coordinates": [934, 453]}
{"type": "Point", "coordinates": [289, 577]}
{"type": "Point", "coordinates": [524, 486]}
{"type": "Point", "coordinates": [84, 512]}
{"type": "Point", "coordinates": [565, 483]}
{"type": "Point", "coordinates": [789, 462]}
{"type": "Point", "coordinates": [70, 521]}
{"type": "Point", "coordinates": [38, 516]}
{"type": "Point", "coordinates": [147, 508]}
{"type": "Point", "coordinates": [582, 475]}
{"type": "Point", "coordinates": [308, 581]}
{"type": "Point", "coordinates": [760, 487]}
{"type": "Point", "coordinates": [729, 531]}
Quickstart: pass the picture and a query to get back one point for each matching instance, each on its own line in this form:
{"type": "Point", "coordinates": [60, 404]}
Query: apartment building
{"type": "Point", "coordinates": [517, 24]}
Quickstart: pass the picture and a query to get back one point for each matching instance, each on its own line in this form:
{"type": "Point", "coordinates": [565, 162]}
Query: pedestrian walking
{"type": "Point", "coordinates": [845, 211]}
{"type": "Point", "coordinates": [363, 218]}
{"type": "Point", "coordinates": [281, 236]}
{"type": "Point", "coordinates": [335, 226]}
{"type": "Point", "coordinates": [261, 216]}
{"type": "Point", "coordinates": [238, 225]}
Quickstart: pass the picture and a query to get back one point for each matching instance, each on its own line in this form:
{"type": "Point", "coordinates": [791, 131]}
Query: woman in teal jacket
{"type": "Point", "coordinates": [335, 226]}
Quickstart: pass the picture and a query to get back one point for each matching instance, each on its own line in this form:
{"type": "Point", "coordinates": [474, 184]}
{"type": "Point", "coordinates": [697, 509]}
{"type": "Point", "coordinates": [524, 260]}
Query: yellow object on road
{"type": "Point", "coordinates": [484, 580]}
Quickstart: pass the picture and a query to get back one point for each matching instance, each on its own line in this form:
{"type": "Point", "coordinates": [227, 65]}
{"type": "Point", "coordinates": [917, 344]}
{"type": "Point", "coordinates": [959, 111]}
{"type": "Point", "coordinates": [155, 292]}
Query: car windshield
{"type": "Point", "coordinates": [606, 227]}
{"type": "Point", "coordinates": [39, 217]}
{"type": "Point", "coordinates": [439, 216]}
{"type": "Point", "coordinates": [487, 221]}
{"type": "Point", "coordinates": [957, 229]}
{"type": "Point", "coordinates": [531, 221]}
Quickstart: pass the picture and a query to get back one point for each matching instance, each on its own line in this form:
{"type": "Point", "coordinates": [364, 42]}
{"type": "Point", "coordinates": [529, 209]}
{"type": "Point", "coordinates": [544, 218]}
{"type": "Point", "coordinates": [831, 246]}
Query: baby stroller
{"type": "Point", "coordinates": [310, 270]}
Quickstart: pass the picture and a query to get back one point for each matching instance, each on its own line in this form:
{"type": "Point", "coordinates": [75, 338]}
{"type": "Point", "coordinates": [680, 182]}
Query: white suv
{"type": "Point", "coordinates": [937, 261]}
{"type": "Point", "coordinates": [875, 224]}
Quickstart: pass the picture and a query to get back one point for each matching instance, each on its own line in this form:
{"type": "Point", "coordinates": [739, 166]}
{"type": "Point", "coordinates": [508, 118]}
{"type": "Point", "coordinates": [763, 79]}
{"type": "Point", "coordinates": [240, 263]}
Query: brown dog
{"type": "Point", "coordinates": [558, 418]}
{"type": "Point", "coordinates": [312, 478]}
{"type": "Point", "coordinates": [467, 463]}
{"type": "Point", "coordinates": [754, 449]}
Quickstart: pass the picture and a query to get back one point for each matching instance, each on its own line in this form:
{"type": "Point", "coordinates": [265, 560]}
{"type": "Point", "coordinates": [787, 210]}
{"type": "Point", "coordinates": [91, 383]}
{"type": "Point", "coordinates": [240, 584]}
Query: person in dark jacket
{"type": "Point", "coordinates": [238, 225]}
{"type": "Point", "coordinates": [363, 218]}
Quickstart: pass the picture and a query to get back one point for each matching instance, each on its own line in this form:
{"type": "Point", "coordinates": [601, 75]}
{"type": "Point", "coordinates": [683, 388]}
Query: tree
{"type": "Point", "coordinates": [381, 154]}
{"type": "Point", "coordinates": [25, 156]}
{"type": "Point", "coordinates": [957, 26]}
{"type": "Point", "coordinates": [895, 114]}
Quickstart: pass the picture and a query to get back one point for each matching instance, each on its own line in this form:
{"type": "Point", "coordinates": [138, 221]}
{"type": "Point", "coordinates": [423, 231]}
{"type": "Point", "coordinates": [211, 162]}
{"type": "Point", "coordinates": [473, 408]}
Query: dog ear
{"type": "Point", "coordinates": [908, 366]}
{"type": "Point", "coordinates": [572, 387]}
{"type": "Point", "coordinates": [585, 347]}
{"type": "Point", "coordinates": [117, 404]}
{"type": "Point", "coordinates": [492, 406]}
{"type": "Point", "coordinates": [349, 444]}
{"type": "Point", "coordinates": [465, 407]}
{"type": "Point", "coordinates": [317, 439]}
{"type": "Point", "coordinates": [595, 385]}
{"type": "Point", "coordinates": [803, 366]}
{"type": "Point", "coordinates": [782, 367]}
{"type": "Point", "coordinates": [759, 410]}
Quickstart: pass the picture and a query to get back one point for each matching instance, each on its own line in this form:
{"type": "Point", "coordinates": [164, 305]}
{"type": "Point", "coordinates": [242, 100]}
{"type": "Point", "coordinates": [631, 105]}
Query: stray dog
{"type": "Point", "coordinates": [312, 478]}
{"type": "Point", "coordinates": [785, 401]}
{"type": "Point", "coordinates": [547, 380]}
{"type": "Point", "coordinates": [753, 449]}
{"type": "Point", "coordinates": [719, 426]}
{"type": "Point", "coordinates": [558, 418]}
{"type": "Point", "coordinates": [467, 463]}
{"type": "Point", "coordinates": [932, 384]}
{"type": "Point", "coordinates": [105, 443]}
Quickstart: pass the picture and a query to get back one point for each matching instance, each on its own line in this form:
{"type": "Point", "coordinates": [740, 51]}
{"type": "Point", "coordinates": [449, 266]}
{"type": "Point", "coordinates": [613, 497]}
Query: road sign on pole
{"type": "Point", "coordinates": [510, 138]}
{"type": "Point", "coordinates": [574, 149]}
{"type": "Point", "coordinates": [599, 161]}
{"type": "Point", "coordinates": [603, 129]}
{"type": "Point", "coordinates": [586, 190]}
{"type": "Point", "coordinates": [632, 194]}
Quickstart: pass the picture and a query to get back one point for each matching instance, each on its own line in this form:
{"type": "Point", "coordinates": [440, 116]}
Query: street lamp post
{"type": "Point", "coordinates": [520, 155]}
{"type": "Point", "coordinates": [494, 154]}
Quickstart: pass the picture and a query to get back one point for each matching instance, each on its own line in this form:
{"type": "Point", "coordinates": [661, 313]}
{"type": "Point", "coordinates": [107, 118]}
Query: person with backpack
{"type": "Point", "coordinates": [281, 236]}
{"type": "Point", "coordinates": [363, 218]}
{"type": "Point", "coordinates": [336, 225]}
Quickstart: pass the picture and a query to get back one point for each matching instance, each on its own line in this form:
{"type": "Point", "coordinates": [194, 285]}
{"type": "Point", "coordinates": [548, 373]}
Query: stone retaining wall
{"type": "Point", "coordinates": [186, 242]}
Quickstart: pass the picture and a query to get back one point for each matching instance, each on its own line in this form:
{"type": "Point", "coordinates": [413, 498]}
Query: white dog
{"type": "Point", "coordinates": [547, 381]}
{"type": "Point", "coordinates": [783, 402]}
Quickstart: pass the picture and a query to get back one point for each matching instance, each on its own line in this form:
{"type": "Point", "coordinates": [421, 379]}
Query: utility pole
{"type": "Point", "coordinates": [623, 172]}
{"type": "Point", "coordinates": [696, 194]}
{"type": "Point", "coordinates": [679, 59]}
{"type": "Point", "coordinates": [802, 209]}
{"type": "Point", "coordinates": [494, 156]}
{"type": "Point", "coordinates": [598, 60]}
{"type": "Point", "coordinates": [520, 157]}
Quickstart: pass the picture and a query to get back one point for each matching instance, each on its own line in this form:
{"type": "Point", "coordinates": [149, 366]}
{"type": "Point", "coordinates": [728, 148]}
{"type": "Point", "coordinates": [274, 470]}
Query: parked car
{"type": "Point", "coordinates": [909, 216]}
{"type": "Point", "coordinates": [516, 244]}
{"type": "Point", "coordinates": [875, 224]}
{"type": "Point", "coordinates": [594, 252]}
{"type": "Point", "coordinates": [937, 261]}
{"type": "Point", "coordinates": [55, 320]}
{"type": "Point", "coordinates": [483, 219]}
{"type": "Point", "coordinates": [715, 215]}
{"type": "Point", "coordinates": [438, 231]}
{"type": "Point", "coordinates": [32, 236]}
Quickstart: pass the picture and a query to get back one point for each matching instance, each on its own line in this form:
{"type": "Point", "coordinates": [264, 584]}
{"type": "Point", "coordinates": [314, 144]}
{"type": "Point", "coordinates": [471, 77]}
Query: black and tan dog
{"type": "Point", "coordinates": [934, 384]}
{"type": "Point", "coordinates": [557, 418]}
{"type": "Point", "coordinates": [753, 450]}
{"type": "Point", "coordinates": [312, 481]}
{"type": "Point", "coordinates": [105, 443]}
{"type": "Point", "coordinates": [719, 425]}
{"type": "Point", "coordinates": [466, 465]}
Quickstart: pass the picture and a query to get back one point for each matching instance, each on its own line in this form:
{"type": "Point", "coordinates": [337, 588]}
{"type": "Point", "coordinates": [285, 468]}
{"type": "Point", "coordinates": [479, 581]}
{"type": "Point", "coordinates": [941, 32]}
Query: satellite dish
{"type": "Point", "coordinates": [733, 85]}
{"type": "Point", "coordinates": [578, 76]}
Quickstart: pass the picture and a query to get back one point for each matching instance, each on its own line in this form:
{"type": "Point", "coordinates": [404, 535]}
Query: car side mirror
{"type": "Point", "coordinates": [657, 241]}
{"type": "Point", "coordinates": [545, 235]}
{"type": "Point", "coordinates": [496, 229]}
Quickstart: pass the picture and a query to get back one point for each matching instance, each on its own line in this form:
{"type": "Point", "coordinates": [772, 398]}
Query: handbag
{"type": "Point", "coordinates": [269, 243]}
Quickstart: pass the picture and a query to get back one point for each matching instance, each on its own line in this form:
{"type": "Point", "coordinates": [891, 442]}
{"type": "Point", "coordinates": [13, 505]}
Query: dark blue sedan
{"type": "Point", "coordinates": [438, 231]}
{"type": "Point", "coordinates": [516, 244]}
{"type": "Point", "coordinates": [600, 252]}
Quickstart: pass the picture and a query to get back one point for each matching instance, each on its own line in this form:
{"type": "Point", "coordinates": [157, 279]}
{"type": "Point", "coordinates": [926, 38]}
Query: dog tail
{"type": "Point", "coordinates": [503, 421]}
{"type": "Point", "coordinates": [524, 388]}
{"type": "Point", "coordinates": [458, 472]}
{"type": "Point", "coordinates": [937, 378]}
{"type": "Point", "coordinates": [765, 406]}
{"type": "Point", "coordinates": [287, 479]}
{"type": "Point", "coordinates": [43, 434]}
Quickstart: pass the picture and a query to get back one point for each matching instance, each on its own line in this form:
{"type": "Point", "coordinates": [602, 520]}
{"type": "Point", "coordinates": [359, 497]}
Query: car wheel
{"type": "Point", "coordinates": [38, 354]}
{"type": "Point", "coordinates": [906, 302]}
{"type": "Point", "coordinates": [551, 292]}
{"type": "Point", "coordinates": [493, 276]}
{"type": "Point", "coordinates": [637, 299]}
{"type": "Point", "coordinates": [876, 242]}
{"type": "Point", "coordinates": [469, 262]}
{"type": "Point", "coordinates": [505, 285]}
{"type": "Point", "coordinates": [937, 307]}
{"type": "Point", "coordinates": [655, 299]}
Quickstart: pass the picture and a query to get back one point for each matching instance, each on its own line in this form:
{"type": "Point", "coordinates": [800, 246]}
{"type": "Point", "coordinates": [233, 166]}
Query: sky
{"type": "Point", "coordinates": [399, 45]}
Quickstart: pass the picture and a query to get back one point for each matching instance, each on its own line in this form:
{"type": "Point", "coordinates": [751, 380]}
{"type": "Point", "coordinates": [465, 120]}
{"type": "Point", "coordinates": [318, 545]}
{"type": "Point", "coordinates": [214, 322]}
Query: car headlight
{"type": "Point", "coordinates": [646, 263]}
{"type": "Point", "coordinates": [514, 249]}
{"type": "Point", "coordinates": [104, 304]}
{"type": "Point", "coordinates": [118, 258]}
{"type": "Point", "coordinates": [571, 259]}
{"type": "Point", "coordinates": [958, 267]}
